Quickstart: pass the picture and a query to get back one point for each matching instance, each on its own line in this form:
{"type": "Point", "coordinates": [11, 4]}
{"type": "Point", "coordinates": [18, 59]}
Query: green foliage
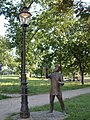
{"type": "Point", "coordinates": [78, 47]}
{"type": "Point", "coordinates": [82, 10]}
{"type": "Point", "coordinates": [55, 35]}
{"type": "Point", "coordinates": [6, 55]}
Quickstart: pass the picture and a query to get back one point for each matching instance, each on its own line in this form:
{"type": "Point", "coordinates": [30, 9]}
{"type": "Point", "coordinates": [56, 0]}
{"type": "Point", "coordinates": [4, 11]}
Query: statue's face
{"type": "Point", "coordinates": [57, 68]}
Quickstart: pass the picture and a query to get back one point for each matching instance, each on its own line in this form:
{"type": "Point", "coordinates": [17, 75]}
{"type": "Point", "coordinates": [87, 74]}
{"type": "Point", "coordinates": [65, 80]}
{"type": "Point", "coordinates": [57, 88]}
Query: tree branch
{"type": "Point", "coordinates": [30, 4]}
{"type": "Point", "coordinates": [34, 34]}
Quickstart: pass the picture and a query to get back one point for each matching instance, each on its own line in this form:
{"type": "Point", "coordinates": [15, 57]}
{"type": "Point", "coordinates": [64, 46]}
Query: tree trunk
{"type": "Point", "coordinates": [82, 77]}
{"type": "Point", "coordinates": [46, 73]}
{"type": "Point", "coordinates": [73, 76]}
{"type": "Point", "coordinates": [41, 73]}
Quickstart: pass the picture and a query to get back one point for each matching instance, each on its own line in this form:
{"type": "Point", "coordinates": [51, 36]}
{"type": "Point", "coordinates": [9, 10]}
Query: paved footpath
{"type": "Point", "coordinates": [12, 105]}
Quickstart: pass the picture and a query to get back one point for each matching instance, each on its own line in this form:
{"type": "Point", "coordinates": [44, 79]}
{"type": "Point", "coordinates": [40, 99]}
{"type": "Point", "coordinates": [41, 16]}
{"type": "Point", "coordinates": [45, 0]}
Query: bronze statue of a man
{"type": "Point", "coordinates": [56, 79]}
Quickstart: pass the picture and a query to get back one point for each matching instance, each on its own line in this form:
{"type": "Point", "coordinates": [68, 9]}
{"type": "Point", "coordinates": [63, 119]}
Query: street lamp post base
{"type": "Point", "coordinates": [24, 114]}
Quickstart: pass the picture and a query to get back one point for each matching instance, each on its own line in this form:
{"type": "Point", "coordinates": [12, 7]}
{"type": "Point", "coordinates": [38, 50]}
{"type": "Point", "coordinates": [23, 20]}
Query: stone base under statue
{"type": "Point", "coordinates": [43, 115]}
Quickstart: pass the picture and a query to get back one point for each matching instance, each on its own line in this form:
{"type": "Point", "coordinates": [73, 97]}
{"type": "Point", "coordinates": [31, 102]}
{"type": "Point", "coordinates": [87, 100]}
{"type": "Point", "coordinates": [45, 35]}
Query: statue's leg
{"type": "Point", "coordinates": [51, 102]}
{"type": "Point", "coordinates": [61, 102]}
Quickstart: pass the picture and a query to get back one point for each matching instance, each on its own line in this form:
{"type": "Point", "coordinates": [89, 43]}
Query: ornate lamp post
{"type": "Point", "coordinates": [24, 18]}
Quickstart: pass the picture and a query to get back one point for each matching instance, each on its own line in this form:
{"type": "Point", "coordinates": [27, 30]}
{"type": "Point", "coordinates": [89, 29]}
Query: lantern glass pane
{"type": "Point", "coordinates": [24, 18]}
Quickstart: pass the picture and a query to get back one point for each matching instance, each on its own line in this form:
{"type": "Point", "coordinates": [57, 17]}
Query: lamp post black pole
{"type": "Point", "coordinates": [24, 112]}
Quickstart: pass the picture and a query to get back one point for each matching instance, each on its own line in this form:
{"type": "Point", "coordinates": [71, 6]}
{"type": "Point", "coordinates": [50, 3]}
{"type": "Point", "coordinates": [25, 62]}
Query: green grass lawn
{"type": "Point", "coordinates": [11, 84]}
{"type": "Point", "coordinates": [78, 108]}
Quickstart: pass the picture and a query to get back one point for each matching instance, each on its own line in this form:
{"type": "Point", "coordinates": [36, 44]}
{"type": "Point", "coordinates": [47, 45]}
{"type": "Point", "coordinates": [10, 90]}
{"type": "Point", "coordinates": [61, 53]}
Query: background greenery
{"type": "Point", "coordinates": [58, 34]}
{"type": "Point", "coordinates": [11, 85]}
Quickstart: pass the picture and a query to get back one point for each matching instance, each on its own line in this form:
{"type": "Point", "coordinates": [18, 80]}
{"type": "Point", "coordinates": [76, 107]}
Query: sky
{"type": "Point", "coordinates": [3, 21]}
{"type": "Point", "coordinates": [2, 27]}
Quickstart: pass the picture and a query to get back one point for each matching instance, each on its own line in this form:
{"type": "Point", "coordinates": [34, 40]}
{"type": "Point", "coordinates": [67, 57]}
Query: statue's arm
{"type": "Point", "coordinates": [61, 81]}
